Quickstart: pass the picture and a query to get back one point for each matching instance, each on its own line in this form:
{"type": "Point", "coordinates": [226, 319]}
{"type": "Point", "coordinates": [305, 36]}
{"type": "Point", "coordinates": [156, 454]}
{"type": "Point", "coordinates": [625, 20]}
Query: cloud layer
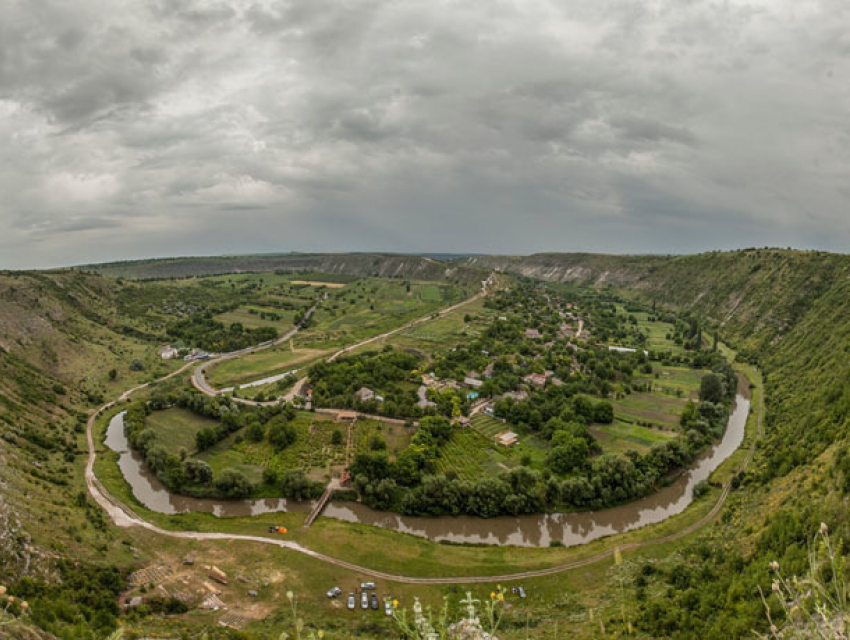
{"type": "Point", "coordinates": [133, 129]}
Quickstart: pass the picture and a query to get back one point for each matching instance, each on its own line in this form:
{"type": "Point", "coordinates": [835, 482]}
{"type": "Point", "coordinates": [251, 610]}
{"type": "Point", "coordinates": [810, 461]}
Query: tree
{"type": "Point", "coordinates": [113, 373]}
{"type": "Point", "coordinates": [205, 438]}
{"type": "Point", "coordinates": [197, 472]}
{"type": "Point", "coordinates": [377, 443]}
{"type": "Point", "coordinates": [603, 413]}
{"type": "Point", "coordinates": [281, 433]}
{"type": "Point", "coordinates": [232, 483]}
{"type": "Point", "coordinates": [711, 388]}
{"type": "Point", "coordinates": [336, 437]}
{"type": "Point", "coordinates": [157, 457]}
{"type": "Point", "coordinates": [256, 432]}
{"type": "Point", "coordinates": [296, 485]}
{"type": "Point", "coordinates": [137, 365]}
{"type": "Point", "coordinates": [566, 453]}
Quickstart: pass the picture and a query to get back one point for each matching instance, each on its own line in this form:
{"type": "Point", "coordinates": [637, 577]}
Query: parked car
{"type": "Point", "coordinates": [333, 593]}
{"type": "Point", "coordinates": [521, 592]}
{"type": "Point", "coordinates": [364, 600]}
{"type": "Point", "coordinates": [375, 604]}
{"type": "Point", "coordinates": [388, 607]}
{"type": "Point", "coordinates": [352, 601]}
{"type": "Point", "coordinates": [367, 586]}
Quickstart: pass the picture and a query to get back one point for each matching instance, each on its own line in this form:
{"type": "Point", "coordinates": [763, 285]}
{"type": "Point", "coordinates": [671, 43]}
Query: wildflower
{"type": "Point", "coordinates": [492, 594]}
{"type": "Point", "coordinates": [25, 605]}
{"type": "Point", "coordinates": [395, 604]}
{"type": "Point", "coordinates": [775, 587]}
{"type": "Point", "coordinates": [618, 556]}
{"type": "Point", "coordinates": [2, 590]}
{"type": "Point", "coordinates": [823, 528]}
{"type": "Point", "coordinates": [502, 597]}
{"type": "Point", "coordinates": [774, 565]}
{"type": "Point", "coordinates": [289, 595]}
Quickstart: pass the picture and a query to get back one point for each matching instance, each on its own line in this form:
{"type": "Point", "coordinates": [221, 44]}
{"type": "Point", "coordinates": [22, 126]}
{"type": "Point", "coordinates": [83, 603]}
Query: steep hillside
{"type": "Point", "coordinates": [789, 312]}
{"type": "Point", "coordinates": [359, 264]}
{"type": "Point", "coordinates": [755, 295]}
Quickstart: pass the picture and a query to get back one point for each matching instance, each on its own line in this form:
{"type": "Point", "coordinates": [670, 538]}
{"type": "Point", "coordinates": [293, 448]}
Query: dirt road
{"type": "Point", "coordinates": [123, 516]}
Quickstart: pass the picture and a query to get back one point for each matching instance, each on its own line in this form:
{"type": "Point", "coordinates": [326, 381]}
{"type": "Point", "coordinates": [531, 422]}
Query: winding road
{"type": "Point", "coordinates": [123, 516]}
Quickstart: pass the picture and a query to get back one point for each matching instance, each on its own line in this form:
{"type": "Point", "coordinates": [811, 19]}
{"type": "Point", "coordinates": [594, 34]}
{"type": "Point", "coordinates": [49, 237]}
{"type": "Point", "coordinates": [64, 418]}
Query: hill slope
{"type": "Point", "coordinates": [358, 264]}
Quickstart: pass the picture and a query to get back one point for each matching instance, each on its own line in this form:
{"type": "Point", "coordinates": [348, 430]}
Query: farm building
{"type": "Point", "coordinates": [475, 383]}
{"type": "Point", "coordinates": [533, 333]}
{"type": "Point", "coordinates": [537, 379]}
{"type": "Point", "coordinates": [364, 394]}
{"type": "Point", "coordinates": [346, 416]}
{"type": "Point", "coordinates": [507, 438]}
{"type": "Point", "coordinates": [168, 352]}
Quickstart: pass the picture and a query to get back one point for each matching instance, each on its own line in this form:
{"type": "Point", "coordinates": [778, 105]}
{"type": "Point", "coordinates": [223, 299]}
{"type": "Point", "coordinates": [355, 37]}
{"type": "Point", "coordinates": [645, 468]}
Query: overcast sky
{"type": "Point", "coordinates": [132, 129]}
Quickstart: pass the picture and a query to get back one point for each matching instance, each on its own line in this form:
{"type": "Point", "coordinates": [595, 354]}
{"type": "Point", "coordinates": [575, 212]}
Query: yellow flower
{"type": "Point", "coordinates": [492, 594]}
{"type": "Point", "coordinates": [395, 604]}
{"type": "Point", "coordinates": [502, 597]}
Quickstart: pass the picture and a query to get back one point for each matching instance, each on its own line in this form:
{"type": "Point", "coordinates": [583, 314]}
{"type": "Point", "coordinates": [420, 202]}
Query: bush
{"type": "Point", "coordinates": [232, 483]}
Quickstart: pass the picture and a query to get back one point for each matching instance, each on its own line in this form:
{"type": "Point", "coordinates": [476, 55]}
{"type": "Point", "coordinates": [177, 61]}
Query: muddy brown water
{"type": "Point", "coordinates": [149, 490]}
{"type": "Point", "coordinates": [526, 531]}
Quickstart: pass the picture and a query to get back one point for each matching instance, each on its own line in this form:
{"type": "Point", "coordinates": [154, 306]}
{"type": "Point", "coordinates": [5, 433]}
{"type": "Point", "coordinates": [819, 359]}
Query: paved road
{"type": "Point", "coordinates": [199, 380]}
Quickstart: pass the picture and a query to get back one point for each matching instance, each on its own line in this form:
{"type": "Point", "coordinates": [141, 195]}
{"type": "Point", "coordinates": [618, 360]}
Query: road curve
{"type": "Point", "coordinates": [123, 516]}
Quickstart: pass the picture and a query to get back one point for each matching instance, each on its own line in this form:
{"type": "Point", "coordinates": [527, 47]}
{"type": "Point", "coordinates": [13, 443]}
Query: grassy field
{"type": "Point", "coordinates": [312, 451]}
{"type": "Point", "coordinates": [176, 428]}
{"type": "Point", "coordinates": [620, 437]}
{"type": "Point", "coordinates": [471, 456]}
{"type": "Point", "coordinates": [371, 306]}
{"type": "Point", "coordinates": [681, 382]}
{"type": "Point", "coordinates": [397, 437]}
{"type": "Point", "coordinates": [226, 455]}
{"type": "Point", "coordinates": [358, 311]}
{"type": "Point", "coordinates": [263, 364]}
{"type": "Point", "coordinates": [250, 320]}
{"type": "Point", "coordinates": [649, 408]}
{"type": "Point", "coordinates": [445, 331]}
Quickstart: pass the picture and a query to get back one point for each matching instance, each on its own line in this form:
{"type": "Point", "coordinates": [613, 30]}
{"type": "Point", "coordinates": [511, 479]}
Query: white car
{"type": "Point", "coordinates": [364, 600]}
{"type": "Point", "coordinates": [388, 607]}
{"type": "Point", "coordinates": [352, 601]}
{"type": "Point", "coordinates": [333, 593]}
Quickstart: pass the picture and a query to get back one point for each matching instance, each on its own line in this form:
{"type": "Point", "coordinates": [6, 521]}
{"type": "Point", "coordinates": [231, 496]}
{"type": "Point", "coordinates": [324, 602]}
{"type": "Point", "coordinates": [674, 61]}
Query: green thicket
{"type": "Point", "coordinates": [207, 333]}
{"type": "Point", "coordinates": [82, 604]}
{"type": "Point", "coordinates": [385, 373]}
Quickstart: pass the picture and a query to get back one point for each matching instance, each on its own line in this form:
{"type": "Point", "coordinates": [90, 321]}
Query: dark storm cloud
{"type": "Point", "coordinates": [132, 129]}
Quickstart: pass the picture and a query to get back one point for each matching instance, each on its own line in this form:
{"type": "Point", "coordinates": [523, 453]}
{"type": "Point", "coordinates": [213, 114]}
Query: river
{"type": "Point", "coordinates": [527, 531]}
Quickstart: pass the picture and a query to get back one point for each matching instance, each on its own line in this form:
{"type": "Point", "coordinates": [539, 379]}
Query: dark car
{"type": "Point", "coordinates": [375, 604]}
